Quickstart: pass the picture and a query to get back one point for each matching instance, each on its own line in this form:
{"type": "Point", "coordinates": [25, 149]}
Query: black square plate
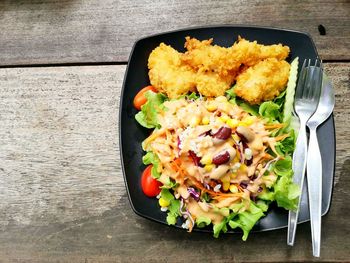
{"type": "Point", "coordinates": [132, 134]}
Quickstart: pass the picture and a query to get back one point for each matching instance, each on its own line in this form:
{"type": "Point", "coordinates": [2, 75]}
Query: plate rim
{"type": "Point", "coordinates": [243, 26]}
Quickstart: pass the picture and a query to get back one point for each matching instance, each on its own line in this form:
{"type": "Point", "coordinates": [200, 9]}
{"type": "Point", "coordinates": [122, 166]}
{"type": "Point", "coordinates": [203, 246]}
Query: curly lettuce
{"type": "Point", "coordinates": [147, 117]}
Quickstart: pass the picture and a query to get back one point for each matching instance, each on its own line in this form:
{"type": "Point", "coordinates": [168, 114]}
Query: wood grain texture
{"type": "Point", "coordinates": [63, 197]}
{"type": "Point", "coordinates": [79, 31]}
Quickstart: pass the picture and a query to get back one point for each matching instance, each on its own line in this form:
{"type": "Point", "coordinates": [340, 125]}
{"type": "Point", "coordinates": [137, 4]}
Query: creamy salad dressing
{"type": "Point", "coordinates": [188, 137]}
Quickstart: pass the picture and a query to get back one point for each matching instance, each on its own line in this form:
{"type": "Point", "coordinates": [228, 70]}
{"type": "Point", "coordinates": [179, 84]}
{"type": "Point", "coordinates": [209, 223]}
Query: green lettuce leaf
{"type": "Point", "coordinates": [247, 219]}
{"type": "Point", "coordinates": [287, 145]}
{"type": "Point", "coordinates": [220, 227]}
{"type": "Point", "coordinates": [192, 96]}
{"type": "Point", "coordinates": [203, 221]}
{"type": "Point", "coordinates": [283, 167]}
{"type": "Point", "coordinates": [169, 183]}
{"type": "Point", "coordinates": [252, 109]}
{"type": "Point", "coordinates": [267, 195]}
{"type": "Point", "coordinates": [231, 95]}
{"type": "Point", "coordinates": [263, 205]}
{"type": "Point", "coordinates": [147, 117]}
{"type": "Point", "coordinates": [279, 100]}
{"type": "Point", "coordinates": [151, 158]}
{"type": "Point", "coordinates": [270, 110]}
{"type": "Point", "coordinates": [286, 193]}
{"type": "Point", "coordinates": [173, 208]}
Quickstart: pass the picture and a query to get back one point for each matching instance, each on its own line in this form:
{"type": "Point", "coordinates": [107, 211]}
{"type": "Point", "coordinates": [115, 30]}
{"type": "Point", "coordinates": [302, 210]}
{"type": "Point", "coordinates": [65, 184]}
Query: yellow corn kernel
{"type": "Point", "coordinates": [243, 167]}
{"type": "Point", "coordinates": [220, 119]}
{"type": "Point", "coordinates": [209, 167]}
{"type": "Point", "coordinates": [221, 99]}
{"type": "Point", "coordinates": [225, 178]}
{"type": "Point", "coordinates": [247, 121]}
{"type": "Point", "coordinates": [233, 188]}
{"type": "Point", "coordinates": [233, 123]}
{"type": "Point", "coordinates": [163, 202]}
{"type": "Point", "coordinates": [225, 185]}
{"type": "Point", "coordinates": [223, 118]}
{"type": "Point", "coordinates": [236, 159]}
{"type": "Point", "coordinates": [242, 123]}
{"type": "Point", "coordinates": [233, 175]}
{"type": "Point", "coordinates": [194, 121]}
{"type": "Point", "coordinates": [205, 120]}
{"type": "Point", "coordinates": [236, 137]}
{"type": "Point", "coordinates": [206, 159]}
{"type": "Point", "coordinates": [211, 107]}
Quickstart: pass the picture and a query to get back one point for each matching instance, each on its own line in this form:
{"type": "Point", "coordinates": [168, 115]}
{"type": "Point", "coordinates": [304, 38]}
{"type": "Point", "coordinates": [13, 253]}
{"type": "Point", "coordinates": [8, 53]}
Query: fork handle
{"type": "Point", "coordinates": [314, 182]}
{"type": "Point", "coordinates": [299, 164]}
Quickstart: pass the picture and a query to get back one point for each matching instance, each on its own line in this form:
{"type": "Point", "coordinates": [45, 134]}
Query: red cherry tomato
{"type": "Point", "coordinates": [140, 98]}
{"type": "Point", "coordinates": [150, 186]}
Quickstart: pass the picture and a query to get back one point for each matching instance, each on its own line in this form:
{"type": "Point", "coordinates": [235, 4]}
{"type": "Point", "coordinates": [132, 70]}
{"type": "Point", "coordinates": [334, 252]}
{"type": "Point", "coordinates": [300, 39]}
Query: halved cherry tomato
{"type": "Point", "coordinates": [150, 186]}
{"type": "Point", "coordinates": [140, 98]}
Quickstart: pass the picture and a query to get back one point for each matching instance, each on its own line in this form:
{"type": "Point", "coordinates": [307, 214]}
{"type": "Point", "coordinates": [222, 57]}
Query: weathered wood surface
{"type": "Point", "coordinates": [77, 31]}
{"type": "Point", "coordinates": [62, 193]}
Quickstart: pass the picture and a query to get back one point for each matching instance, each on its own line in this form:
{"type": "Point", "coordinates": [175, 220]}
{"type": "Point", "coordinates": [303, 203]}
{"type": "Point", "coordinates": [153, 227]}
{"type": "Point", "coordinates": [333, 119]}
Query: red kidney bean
{"type": "Point", "coordinates": [244, 184]}
{"type": "Point", "coordinates": [223, 133]}
{"type": "Point", "coordinates": [195, 158]}
{"type": "Point", "coordinates": [245, 133]}
{"type": "Point", "coordinates": [222, 157]}
{"type": "Point", "coordinates": [207, 133]}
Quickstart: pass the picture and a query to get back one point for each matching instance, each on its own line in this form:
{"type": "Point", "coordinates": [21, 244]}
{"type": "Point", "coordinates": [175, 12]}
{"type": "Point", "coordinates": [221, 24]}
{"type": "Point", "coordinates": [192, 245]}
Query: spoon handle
{"type": "Point", "coordinates": [314, 182]}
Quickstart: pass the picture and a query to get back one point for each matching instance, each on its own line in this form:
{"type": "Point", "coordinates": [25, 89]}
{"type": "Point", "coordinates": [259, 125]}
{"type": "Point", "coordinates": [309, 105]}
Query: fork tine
{"type": "Point", "coordinates": [313, 79]}
{"type": "Point", "coordinates": [319, 81]}
{"type": "Point", "coordinates": [316, 79]}
{"type": "Point", "coordinates": [300, 85]}
{"type": "Point", "coordinates": [308, 78]}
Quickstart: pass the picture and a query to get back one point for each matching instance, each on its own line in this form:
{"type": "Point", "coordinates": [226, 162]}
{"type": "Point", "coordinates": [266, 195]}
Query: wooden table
{"type": "Point", "coordinates": [62, 195]}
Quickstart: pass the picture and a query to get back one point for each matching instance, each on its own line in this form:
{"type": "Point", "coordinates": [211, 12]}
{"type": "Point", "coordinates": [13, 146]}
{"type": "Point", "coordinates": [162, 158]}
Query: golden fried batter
{"type": "Point", "coordinates": [263, 81]}
{"type": "Point", "coordinates": [167, 74]}
{"type": "Point", "coordinates": [203, 56]}
{"type": "Point", "coordinates": [211, 69]}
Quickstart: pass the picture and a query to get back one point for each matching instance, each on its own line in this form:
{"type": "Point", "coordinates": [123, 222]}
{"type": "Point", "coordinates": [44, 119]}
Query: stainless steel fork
{"type": "Point", "coordinates": [306, 100]}
{"type": "Point", "coordinates": [314, 163]}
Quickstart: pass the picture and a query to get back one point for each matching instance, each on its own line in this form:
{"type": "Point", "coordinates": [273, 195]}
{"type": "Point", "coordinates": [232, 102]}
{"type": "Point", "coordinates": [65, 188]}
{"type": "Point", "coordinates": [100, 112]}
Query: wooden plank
{"type": "Point", "coordinates": [63, 197]}
{"type": "Point", "coordinates": [65, 31]}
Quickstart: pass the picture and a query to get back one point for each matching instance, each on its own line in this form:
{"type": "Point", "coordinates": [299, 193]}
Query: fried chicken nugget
{"type": "Point", "coordinates": [211, 69]}
{"type": "Point", "coordinates": [167, 73]}
{"type": "Point", "coordinates": [263, 81]}
{"type": "Point", "coordinates": [210, 84]}
{"type": "Point", "coordinates": [250, 53]}
{"type": "Point", "coordinates": [203, 56]}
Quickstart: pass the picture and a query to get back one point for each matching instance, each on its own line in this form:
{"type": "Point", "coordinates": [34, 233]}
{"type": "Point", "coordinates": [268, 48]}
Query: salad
{"type": "Point", "coordinates": [218, 160]}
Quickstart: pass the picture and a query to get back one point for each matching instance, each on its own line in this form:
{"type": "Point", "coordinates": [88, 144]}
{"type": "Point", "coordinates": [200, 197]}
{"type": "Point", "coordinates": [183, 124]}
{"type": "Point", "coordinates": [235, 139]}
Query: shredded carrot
{"type": "Point", "coordinates": [275, 126]}
{"type": "Point", "coordinates": [281, 137]}
{"type": "Point", "coordinates": [267, 156]}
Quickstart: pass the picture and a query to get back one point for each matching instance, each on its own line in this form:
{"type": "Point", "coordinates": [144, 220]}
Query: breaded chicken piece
{"type": "Point", "coordinates": [263, 81]}
{"type": "Point", "coordinates": [211, 84]}
{"type": "Point", "coordinates": [251, 53]}
{"type": "Point", "coordinates": [207, 68]}
{"type": "Point", "coordinates": [203, 56]}
{"type": "Point", "coordinates": [167, 73]}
